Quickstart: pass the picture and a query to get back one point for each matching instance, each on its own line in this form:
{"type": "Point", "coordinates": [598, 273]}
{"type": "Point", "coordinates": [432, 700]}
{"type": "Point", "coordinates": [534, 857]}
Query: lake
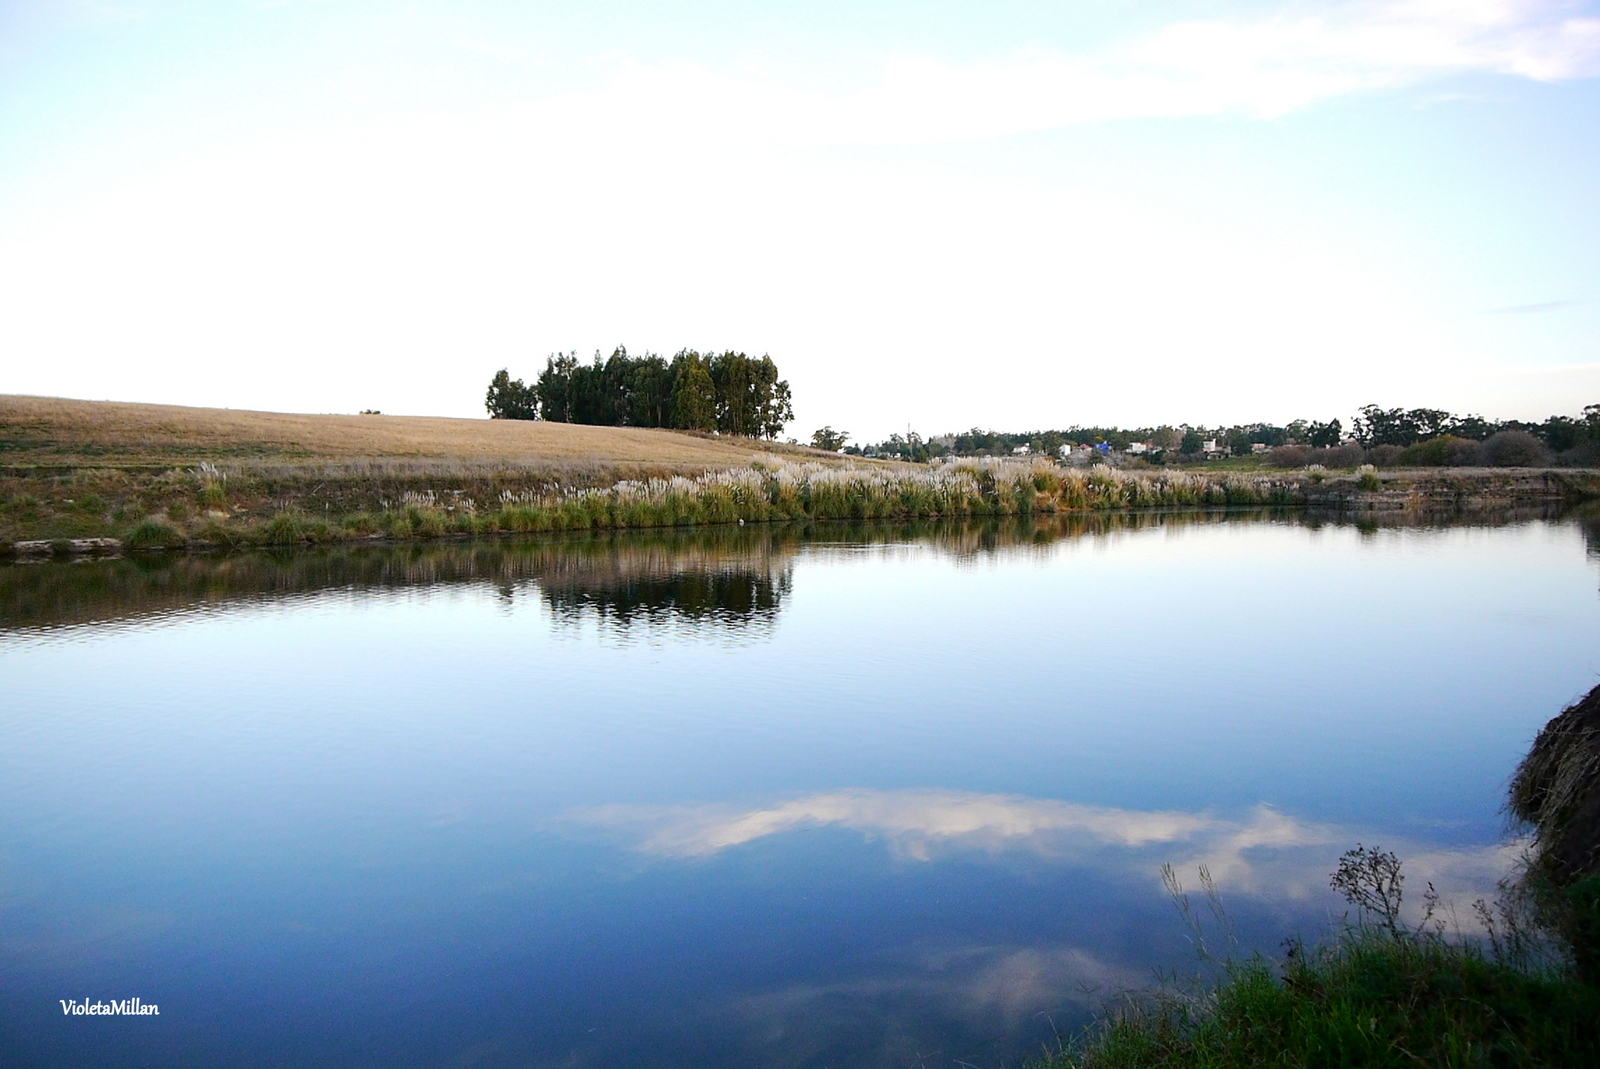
{"type": "Point", "coordinates": [753, 796]}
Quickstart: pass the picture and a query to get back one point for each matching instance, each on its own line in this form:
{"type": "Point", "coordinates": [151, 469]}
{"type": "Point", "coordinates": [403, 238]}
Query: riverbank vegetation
{"type": "Point", "coordinates": [1365, 999]}
{"type": "Point", "coordinates": [267, 505]}
{"type": "Point", "coordinates": [1524, 991]}
{"type": "Point", "coordinates": [286, 504]}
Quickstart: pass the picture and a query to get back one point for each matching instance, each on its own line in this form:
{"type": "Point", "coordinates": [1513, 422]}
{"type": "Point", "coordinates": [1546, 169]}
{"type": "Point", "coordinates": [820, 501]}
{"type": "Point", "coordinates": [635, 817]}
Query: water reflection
{"type": "Point", "coordinates": [729, 578]}
{"type": "Point", "coordinates": [413, 805]}
{"type": "Point", "coordinates": [1263, 852]}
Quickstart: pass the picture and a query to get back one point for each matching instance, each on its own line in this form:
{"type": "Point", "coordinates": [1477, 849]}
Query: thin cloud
{"type": "Point", "coordinates": [492, 49]}
{"type": "Point", "coordinates": [1261, 69]}
{"type": "Point", "coordinates": [1530, 309]}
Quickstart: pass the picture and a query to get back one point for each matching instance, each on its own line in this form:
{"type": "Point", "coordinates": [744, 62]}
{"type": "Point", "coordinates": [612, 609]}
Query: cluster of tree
{"type": "Point", "coordinates": [829, 439]}
{"type": "Point", "coordinates": [1381, 435]}
{"type": "Point", "coordinates": [727, 392]}
{"type": "Point", "coordinates": [1405, 427]}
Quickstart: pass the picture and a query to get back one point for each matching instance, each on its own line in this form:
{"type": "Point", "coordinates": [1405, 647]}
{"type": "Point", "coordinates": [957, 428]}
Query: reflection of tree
{"type": "Point", "coordinates": [725, 577]}
{"type": "Point", "coordinates": [729, 597]}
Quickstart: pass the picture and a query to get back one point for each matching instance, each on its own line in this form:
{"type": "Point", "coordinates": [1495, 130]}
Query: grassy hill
{"type": "Point", "coordinates": [58, 432]}
{"type": "Point", "coordinates": [93, 469]}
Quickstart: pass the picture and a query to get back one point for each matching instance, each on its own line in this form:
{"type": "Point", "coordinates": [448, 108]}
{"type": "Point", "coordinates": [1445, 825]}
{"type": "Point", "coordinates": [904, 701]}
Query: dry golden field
{"type": "Point", "coordinates": [58, 431]}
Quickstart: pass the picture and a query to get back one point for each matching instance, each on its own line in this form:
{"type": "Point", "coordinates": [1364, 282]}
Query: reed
{"type": "Point", "coordinates": [254, 505]}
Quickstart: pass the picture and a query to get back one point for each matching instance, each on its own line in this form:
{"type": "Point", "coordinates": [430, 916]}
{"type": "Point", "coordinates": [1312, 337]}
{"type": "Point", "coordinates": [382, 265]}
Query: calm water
{"type": "Point", "coordinates": [743, 797]}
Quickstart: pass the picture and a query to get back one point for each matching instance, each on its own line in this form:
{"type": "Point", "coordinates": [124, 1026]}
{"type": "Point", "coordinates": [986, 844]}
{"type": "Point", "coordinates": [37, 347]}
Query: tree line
{"type": "Point", "coordinates": [1427, 436]}
{"type": "Point", "coordinates": [727, 392]}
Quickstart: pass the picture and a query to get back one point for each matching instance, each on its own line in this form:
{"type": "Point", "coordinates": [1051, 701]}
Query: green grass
{"type": "Point", "coordinates": [1366, 1000]}
{"type": "Point", "coordinates": [1380, 994]}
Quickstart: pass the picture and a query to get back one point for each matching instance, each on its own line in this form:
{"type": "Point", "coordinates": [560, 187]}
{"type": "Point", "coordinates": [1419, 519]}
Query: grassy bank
{"type": "Point", "coordinates": [155, 476]}
{"type": "Point", "coordinates": [1521, 991]}
{"type": "Point", "coordinates": [278, 505]}
{"type": "Point", "coordinates": [1366, 999]}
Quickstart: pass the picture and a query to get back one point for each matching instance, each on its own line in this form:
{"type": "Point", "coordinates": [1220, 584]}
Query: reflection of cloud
{"type": "Point", "coordinates": [915, 822]}
{"type": "Point", "coordinates": [919, 825]}
{"type": "Point", "coordinates": [982, 999]}
{"type": "Point", "coordinates": [1264, 853]}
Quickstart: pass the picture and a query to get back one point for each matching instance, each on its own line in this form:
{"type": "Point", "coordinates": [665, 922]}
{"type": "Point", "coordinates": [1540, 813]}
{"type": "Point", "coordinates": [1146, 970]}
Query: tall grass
{"type": "Point", "coordinates": [769, 489]}
{"type": "Point", "coordinates": [778, 490]}
{"type": "Point", "coordinates": [1379, 994]}
{"type": "Point", "coordinates": [1366, 1000]}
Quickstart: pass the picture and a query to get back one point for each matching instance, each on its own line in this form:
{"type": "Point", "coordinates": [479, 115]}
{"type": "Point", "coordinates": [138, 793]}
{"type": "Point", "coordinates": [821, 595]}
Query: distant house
{"type": "Point", "coordinates": [1259, 447]}
{"type": "Point", "coordinates": [1021, 451]}
{"type": "Point", "coordinates": [1209, 446]}
{"type": "Point", "coordinates": [1138, 447]}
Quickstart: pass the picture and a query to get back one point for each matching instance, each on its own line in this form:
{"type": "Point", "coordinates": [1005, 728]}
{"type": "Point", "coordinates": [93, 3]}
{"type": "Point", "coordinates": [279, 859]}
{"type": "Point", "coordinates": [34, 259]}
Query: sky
{"type": "Point", "coordinates": [1011, 214]}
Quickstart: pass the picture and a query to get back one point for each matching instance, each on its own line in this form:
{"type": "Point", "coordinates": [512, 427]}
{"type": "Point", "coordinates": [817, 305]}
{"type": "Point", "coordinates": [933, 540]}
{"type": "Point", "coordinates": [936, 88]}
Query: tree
{"type": "Point", "coordinates": [1191, 443]}
{"type": "Point", "coordinates": [778, 409]}
{"type": "Point", "coordinates": [508, 398]}
{"type": "Point", "coordinates": [751, 400]}
{"type": "Point", "coordinates": [1324, 435]}
{"type": "Point", "coordinates": [650, 393]}
{"type": "Point", "coordinates": [555, 388]}
{"type": "Point", "coordinates": [694, 395]}
{"type": "Point", "coordinates": [829, 439]}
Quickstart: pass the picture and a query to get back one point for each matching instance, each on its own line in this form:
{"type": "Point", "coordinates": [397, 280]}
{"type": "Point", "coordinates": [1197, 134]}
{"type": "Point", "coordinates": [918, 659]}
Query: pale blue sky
{"type": "Point", "coordinates": [1006, 214]}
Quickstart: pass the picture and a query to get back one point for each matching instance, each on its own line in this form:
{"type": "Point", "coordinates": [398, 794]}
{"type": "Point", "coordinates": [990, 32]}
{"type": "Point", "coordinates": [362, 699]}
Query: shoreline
{"type": "Point", "coordinates": [101, 511]}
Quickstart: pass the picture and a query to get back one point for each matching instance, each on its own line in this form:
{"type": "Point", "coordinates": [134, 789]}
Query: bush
{"type": "Point", "coordinates": [154, 534]}
{"type": "Point", "coordinates": [1287, 456]}
{"type": "Point", "coordinates": [1339, 456]}
{"type": "Point", "coordinates": [1445, 450]}
{"type": "Point", "coordinates": [1464, 453]}
{"type": "Point", "coordinates": [1384, 456]}
{"type": "Point", "coordinates": [1515, 449]}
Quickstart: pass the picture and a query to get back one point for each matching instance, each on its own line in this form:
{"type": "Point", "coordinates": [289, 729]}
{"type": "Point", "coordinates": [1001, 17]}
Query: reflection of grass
{"type": "Point", "coordinates": [569, 564]}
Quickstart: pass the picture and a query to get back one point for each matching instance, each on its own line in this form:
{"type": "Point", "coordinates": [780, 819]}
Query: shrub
{"type": "Point", "coordinates": [1339, 456]}
{"type": "Point", "coordinates": [1384, 456]}
{"type": "Point", "coordinates": [1287, 456]}
{"type": "Point", "coordinates": [362, 523]}
{"type": "Point", "coordinates": [284, 529]}
{"type": "Point", "coordinates": [1444, 450]}
{"type": "Point", "coordinates": [1515, 449]}
{"type": "Point", "coordinates": [1369, 481]}
{"type": "Point", "coordinates": [1464, 453]}
{"type": "Point", "coordinates": [154, 533]}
